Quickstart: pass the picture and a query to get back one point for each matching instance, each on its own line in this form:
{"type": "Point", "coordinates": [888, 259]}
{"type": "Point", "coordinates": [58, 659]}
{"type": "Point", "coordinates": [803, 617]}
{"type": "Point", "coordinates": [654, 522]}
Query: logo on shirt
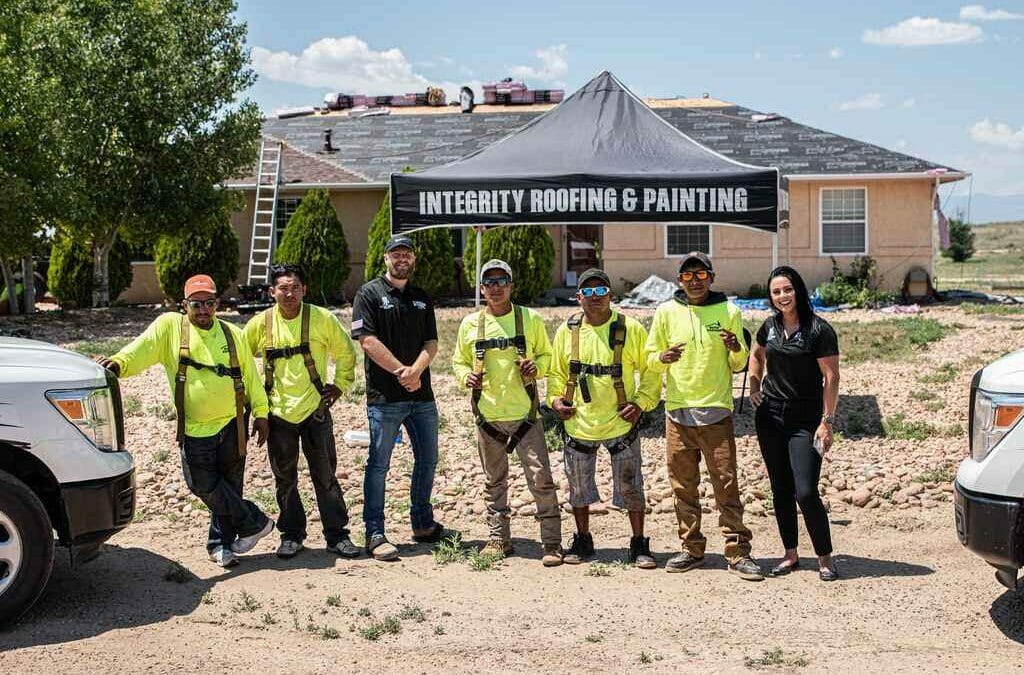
{"type": "Point", "coordinates": [419, 304]}
{"type": "Point", "coordinates": [714, 327]}
{"type": "Point", "coordinates": [771, 333]}
{"type": "Point", "coordinates": [385, 302]}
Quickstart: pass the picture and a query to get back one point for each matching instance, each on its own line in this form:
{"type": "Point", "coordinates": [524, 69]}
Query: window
{"type": "Point", "coordinates": [681, 239]}
{"type": "Point", "coordinates": [285, 209]}
{"type": "Point", "coordinates": [844, 224]}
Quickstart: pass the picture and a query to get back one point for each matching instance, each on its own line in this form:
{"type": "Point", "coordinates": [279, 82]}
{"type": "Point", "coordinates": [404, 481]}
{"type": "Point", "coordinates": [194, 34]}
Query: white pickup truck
{"type": "Point", "coordinates": [989, 487]}
{"type": "Point", "coordinates": [63, 465]}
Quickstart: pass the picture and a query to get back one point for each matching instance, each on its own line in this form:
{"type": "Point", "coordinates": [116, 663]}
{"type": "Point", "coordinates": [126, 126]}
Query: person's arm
{"type": "Point", "coordinates": [253, 333]}
{"type": "Point", "coordinates": [657, 344]}
{"type": "Point", "coordinates": [541, 344]}
{"type": "Point", "coordinates": [649, 392]}
{"type": "Point", "coordinates": [409, 376]}
{"type": "Point", "coordinates": [829, 366]}
{"type": "Point", "coordinates": [342, 352]}
{"type": "Point", "coordinates": [558, 366]}
{"type": "Point", "coordinates": [145, 350]}
{"type": "Point", "coordinates": [738, 357]}
{"type": "Point", "coordinates": [756, 364]}
{"type": "Point", "coordinates": [251, 377]}
{"type": "Point", "coordinates": [364, 329]}
{"type": "Point", "coordinates": [379, 353]}
{"type": "Point", "coordinates": [463, 357]}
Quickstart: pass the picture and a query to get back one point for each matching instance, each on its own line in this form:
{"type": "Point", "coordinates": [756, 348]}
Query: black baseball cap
{"type": "Point", "coordinates": [399, 240]}
{"type": "Point", "coordinates": [593, 273]}
{"type": "Point", "coordinates": [696, 256]}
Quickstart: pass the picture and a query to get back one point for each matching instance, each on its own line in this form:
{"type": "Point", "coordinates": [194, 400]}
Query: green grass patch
{"type": "Point", "coordinates": [923, 395]}
{"type": "Point", "coordinates": [483, 562]}
{"type": "Point", "coordinates": [992, 309]}
{"type": "Point", "coordinates": [775, 658]}
{"type": "Point", "coordinates": [450, 550]}
{"type": "Point", "coordinates": [412, 613]}
{"type": "Point", "coordinates": [899, 428]}
{"type": "Point", "coordinates": [163, 411]}
{"type": "Point", "coordinates": [334, 601]}
{"type": "Point", "coordinates": [944, 374]}
{"type": "Point", "coordinates": [943, 474]}
{"type": "Point", "coordinates": [934, 406]}
{"type": "Point", "coordinates": [245, 602]}
{"type": "Point", "coordinates": [603, 569]}
{"type": "Point", "coordinates": [265, 498]}
{"type": "Point", "coordinates": [178, 573]}
{"type": "Point", "coordinates": [389, 626]}
{"type": "Point", "coordinates": [889, 339]}
{"type": "Point", "coordinates": [107, 347]}
{"type": "Point", "coordinates": [132, 406]}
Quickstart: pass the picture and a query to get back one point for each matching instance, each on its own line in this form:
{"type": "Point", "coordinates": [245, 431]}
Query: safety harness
{"type": "Point", "coordinates": [580, 372]}
{"type": "Point", "coordinates": [481, 346]}
{"type": "Point", "coordinates": [271, 354]}
{"type": "Point", "coordinates": [234, 371]}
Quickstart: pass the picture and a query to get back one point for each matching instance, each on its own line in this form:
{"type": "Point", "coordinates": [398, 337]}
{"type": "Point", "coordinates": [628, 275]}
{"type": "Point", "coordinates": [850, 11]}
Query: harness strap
{"type": "Point", "coordinates": [239, 383]}
{"type": "Point", "coordinates": [591, 448]}
{"type": "Point", "coordinates": [579, 371]}
{"type": "Point", "coordinates": [271, 353]}
{"type": "Point", "coordinates": [618, 336]}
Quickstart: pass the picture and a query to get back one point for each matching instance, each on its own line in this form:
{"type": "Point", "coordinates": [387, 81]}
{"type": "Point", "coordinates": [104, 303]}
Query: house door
{"type": "Point", "coordinates": [582, 250]}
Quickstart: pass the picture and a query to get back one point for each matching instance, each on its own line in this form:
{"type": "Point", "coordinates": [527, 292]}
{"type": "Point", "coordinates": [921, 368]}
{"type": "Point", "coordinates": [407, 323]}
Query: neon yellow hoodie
{"type": "Point", "coordinates": [599, 420]}
{"type": "Point", "coordinates": [702, 377]}
{"type": "Point", "coordinates": [503, 398]}
{"type": "Point", "coordinates": [209, 398]}
{"type": "Point", "coordinates": [294, 398]}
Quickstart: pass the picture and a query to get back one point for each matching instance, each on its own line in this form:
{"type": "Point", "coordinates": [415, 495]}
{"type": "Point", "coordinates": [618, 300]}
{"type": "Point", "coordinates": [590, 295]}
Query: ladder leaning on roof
{"type": "Point", "coordinates": [264, 217]}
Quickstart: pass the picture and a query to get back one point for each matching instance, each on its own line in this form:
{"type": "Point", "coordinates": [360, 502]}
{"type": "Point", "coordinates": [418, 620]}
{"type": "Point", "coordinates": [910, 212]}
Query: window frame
{"type": "Point", "coordinates": [821, 222]}
{"type": "Point", "coordinates": [664, 246]}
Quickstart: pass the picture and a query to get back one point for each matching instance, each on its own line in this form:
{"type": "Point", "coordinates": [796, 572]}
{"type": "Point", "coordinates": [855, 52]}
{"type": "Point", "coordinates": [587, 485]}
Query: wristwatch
{"type": "Point", "coordinates": [830, 420]}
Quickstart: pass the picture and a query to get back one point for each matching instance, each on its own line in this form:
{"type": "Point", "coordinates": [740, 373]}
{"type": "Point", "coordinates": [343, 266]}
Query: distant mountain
{"type": "Point", "coordinates": [986, 208]}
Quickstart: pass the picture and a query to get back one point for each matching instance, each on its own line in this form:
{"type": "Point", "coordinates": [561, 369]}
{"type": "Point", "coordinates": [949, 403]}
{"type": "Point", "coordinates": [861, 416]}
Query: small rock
{"type": "Point", "coordinates": [915, 489]}
{"type": "Point", "coordinates": [144, 479]}
{"type": "Point", "coordinates": [861, 497]}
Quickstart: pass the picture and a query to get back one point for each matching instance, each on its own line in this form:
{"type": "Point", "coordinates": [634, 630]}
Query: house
{"type": "Point", "coordinates": [846, 197]}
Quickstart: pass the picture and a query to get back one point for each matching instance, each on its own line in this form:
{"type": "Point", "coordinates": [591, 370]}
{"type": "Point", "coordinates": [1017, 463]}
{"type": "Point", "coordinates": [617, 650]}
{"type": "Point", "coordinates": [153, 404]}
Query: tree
{"type": "Point", "coordinates": [71, 270]}
{"type": "Point", "coordinates": [961, 240]}
{"type": "Point", "coordinates": [211, 248]}
{"type": "Point", "coordinates": [528, 249]}
{"type": "Point", "coordinates": [147, 118]}
{"type": "Point", "coordinates": [435, 253]}
{"type": "Point", "coordinates": [315, 240]}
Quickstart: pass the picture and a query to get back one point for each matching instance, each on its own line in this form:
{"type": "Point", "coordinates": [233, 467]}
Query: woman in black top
{"type": "Point", "coordinates": [794, 384]}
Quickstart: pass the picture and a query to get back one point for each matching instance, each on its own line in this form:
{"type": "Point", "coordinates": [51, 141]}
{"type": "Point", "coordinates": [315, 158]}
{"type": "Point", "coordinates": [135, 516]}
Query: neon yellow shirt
{"type": "Point", "coordinates": [702, 377]}
{"type": "Point", "coordinates": [503, 398]}
{"type": "Point", "coordinates": [294, 398]}
{"type": "Point", "coordinates": [209, 398]}
{"type": "Point", "coordinates": [599, 420]}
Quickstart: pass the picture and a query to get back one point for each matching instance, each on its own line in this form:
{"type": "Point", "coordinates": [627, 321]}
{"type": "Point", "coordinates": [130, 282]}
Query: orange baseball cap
{"type": "Point", "coordinates": [198, 284]}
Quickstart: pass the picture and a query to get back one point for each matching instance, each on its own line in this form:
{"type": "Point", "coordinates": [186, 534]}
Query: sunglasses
{"type": "Point", "coordinates": [496, 281]}
{"type": "Point", "coordinates": [595, 291]}
{"type": "Point", "coordinates": [703, 275]}
{"type": "Point", "coordinates": [196, 304]}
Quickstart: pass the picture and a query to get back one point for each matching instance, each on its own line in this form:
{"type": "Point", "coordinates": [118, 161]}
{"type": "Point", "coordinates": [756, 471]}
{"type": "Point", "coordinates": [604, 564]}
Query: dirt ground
{"type": "Point", "coordinates": [911, 598]}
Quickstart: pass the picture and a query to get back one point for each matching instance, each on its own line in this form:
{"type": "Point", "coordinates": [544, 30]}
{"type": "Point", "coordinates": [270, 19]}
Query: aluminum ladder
{"type": "Point", "coordinates": [264, 217]}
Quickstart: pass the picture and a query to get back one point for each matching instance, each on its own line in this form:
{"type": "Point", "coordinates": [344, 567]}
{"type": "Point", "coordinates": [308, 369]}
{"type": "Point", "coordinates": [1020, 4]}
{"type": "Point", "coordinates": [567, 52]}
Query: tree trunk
{"type": "Point", "coordinates": [12, 290]}
{"type": "Point", "coordinates": [28, 279]}
{"type": "Point", "coordinates": [101, 271]}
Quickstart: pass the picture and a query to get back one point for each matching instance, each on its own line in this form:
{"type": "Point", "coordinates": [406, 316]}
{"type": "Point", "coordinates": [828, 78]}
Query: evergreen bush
{"type": "Point", "coordinates": [315, 240]}
{"type": "Point", "coordinates": [70, 276]}
{"type": "Point", "coordinates": [528, 249]}
{"type": "Point", "coordinates": [961, 240]}
{"type": "Point", "coordinates": [211, 248]}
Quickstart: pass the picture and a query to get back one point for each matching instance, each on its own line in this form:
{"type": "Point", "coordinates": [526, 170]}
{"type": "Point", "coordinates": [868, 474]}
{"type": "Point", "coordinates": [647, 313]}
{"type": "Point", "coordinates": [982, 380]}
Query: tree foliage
{"type": "Point", "coordinates": [315, 240]}
{"type": "Point", "coordinates": [70, 277]}
{"type": "Point", "coordinates": [528, 249]}
{"type": "Point", "coordinates": [961, 241]}
{"type": "Point", "coordinates": [435, 253]}
{"type": "Point", "coordinates": [210, 248]}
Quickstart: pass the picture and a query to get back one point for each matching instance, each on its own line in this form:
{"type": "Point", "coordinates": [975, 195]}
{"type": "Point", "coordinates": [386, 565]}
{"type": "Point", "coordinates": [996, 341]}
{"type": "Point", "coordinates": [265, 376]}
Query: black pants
{"type": "Point", "coordinates": [785, 432]}
{"type": "Point", "coordinates": [214, 472]}
{"type": "Point", "coordinates": [317, 439]}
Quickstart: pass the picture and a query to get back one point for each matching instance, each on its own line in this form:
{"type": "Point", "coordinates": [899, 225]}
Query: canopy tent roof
{"type": "Point", "coordinates": [602, 155]}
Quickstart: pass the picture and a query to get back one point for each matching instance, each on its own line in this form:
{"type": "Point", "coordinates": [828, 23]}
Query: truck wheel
{"type": "Point", "coordinates": [26, 548]}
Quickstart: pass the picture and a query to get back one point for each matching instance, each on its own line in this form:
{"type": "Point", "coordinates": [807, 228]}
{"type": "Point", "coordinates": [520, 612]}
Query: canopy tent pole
{"type": "Point", "coordinates": [479, 254]}
{"type": "Point", "coordinates": [775, 250]}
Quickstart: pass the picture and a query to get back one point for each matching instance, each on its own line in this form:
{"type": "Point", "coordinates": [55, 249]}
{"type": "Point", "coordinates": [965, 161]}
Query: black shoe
{"type": "Point", "coordinates": [640, 553]}
{"type": "Point", "coordinates": [431, 536]}
{"type": "Point", "coordinates": [581, 549]}
{"type": "Point", "coordinates": [746, 569]}
{"type": "Point", "coordinates": [782, 569]}
{"type": "Point", "coordinates": [828, 574]}
{"type": "Point", "coordinates": [684, 562]}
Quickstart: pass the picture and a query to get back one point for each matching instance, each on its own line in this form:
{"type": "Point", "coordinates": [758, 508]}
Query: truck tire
{"type": "Point", "coordinates": [26, 548]}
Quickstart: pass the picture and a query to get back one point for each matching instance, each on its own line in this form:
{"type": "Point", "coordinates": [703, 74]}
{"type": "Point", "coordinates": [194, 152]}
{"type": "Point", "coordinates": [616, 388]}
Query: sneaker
{"type": "Point", "coordinates": [380, 548]}
{"type": "Point", "coordinates": [345, 548]}
{"type": "Point", "coordinates": [245, 544]}
{"type": "Point", "coordinates": [640, 553]}
{"type": "Point", "coordinates": [684, 562]}
{"type": "Point", "coordinates": [223, 557]}
{"type": "Point", "coordinates": [431, 536]}
{"type": "Point", "coordinates": [580, 550]}
{"type": "Point", "coordinates": [746, 568]}
{"type": "Point", "coordinates": [289, 548]}
{"type": "Point", "coordinates": [553, 556]}
{"type": "Point", "coordinates": [498, 548]}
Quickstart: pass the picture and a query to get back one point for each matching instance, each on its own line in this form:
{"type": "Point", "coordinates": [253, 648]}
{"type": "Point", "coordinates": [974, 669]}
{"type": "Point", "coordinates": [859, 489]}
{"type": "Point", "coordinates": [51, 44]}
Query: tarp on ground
{"type": "Point", "coordinates": [600, 156]}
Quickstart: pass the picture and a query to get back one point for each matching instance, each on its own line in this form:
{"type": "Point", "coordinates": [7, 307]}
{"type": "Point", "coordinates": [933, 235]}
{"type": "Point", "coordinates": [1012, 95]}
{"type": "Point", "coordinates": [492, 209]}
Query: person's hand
{"type": "Point", "coordinates": [261, 429]}
{"type": "Point", "coordinates": [729, 338]}
{"type": "Point", "coordinates": [630, 412]}
{"type": "Point", "coordinates": [330, 394]}
{"type": "Point", "coordinates": [527, 367]}
{"type": "Point", "coordinates": [112, 366]}
{"type": "Point", "coordinates": [756, 397]}
{"type": "Point", "coordinates": [408, 377]}
{"type": "Point", "coordinates": [824, 436]}
{"type": "Point", "coordinates": [475, 381]}
{"type": "Point", "coordinates": [563, 408]}
{"type": "Point", "coordinates": [673, 353]}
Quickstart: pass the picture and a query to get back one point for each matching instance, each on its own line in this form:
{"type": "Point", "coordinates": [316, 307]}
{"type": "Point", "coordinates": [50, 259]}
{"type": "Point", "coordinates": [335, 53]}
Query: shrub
{"type": "Point", "coordinates": [315, 240]}
{"type": "Point", "coordinates": [528, 249]}
{"type": "Point", "coordinates": [435, 253]}
{"type": "Point", "coordinates": [961, 240]}
{"type": "Point", "coordinates": [859, 288]}
{"type": "Point", "coordinates": [71, 270]}
{"type": "Point", "coordinates": [211, 248]}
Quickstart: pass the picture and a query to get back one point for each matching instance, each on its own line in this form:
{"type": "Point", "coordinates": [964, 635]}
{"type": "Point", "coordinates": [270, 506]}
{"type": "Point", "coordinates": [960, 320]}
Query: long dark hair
{"type": "Point", "coordinates": [803, 299]}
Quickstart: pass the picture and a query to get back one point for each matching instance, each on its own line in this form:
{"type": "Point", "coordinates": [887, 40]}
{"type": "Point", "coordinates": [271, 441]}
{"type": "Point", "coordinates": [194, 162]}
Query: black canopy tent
{"type": "Point", "coordinates": [600, 156]}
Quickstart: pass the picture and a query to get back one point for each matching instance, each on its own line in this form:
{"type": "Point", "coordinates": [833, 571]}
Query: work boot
{"type": "Point", "coordinates": [684, 562]}
{"type": "Point", "coordinates": [289, 548]}
{"type": "Point", "coordinates": [497, 548]}
{"type": "Point", "coordinates": [640, 553]}
{"type": "Point", "coordinates": [746, 568]}
{"type": "Point", "coordinates": [345, 548]}
{"type": "Point", "coordinates": [581, 549]}
{"type": "Point", "coordinates": [553, 556]}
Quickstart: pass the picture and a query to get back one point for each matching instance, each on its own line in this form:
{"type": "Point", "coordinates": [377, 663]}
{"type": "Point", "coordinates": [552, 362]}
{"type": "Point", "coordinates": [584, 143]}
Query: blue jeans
{"type": "Point", "coordinates": [420, 420]}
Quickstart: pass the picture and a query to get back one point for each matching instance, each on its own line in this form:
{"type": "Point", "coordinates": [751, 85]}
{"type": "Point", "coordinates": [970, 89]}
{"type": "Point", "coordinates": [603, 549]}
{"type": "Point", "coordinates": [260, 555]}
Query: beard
{"type": "Point", "coordinates": [401, 271]}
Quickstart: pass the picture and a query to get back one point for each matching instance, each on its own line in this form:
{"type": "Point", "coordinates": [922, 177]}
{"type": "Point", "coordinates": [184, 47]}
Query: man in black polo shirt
{"type": "Point", "coordinates": [394, 323]}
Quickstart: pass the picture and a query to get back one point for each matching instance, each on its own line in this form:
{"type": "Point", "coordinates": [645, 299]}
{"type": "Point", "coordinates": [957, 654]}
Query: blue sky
{"type": "Point", "coordinates": [935, 80]}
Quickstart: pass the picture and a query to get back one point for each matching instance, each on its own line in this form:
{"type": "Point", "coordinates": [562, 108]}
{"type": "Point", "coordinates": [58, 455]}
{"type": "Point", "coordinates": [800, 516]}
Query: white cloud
{"type": "Point", "coordinates": [869, 101]}
{"type": "Point", "coordinates": [554, 64]}
{"type": "Point", "coordinates": [998, 134]}
{"type": "Point", "coordinates": [835, 53]}
{"type": "Point", "coordinates": [908, 102]}
{"type": "Point", "coordinates": [757, 56]}
{"type": "Point", "coordinates": [924, 32]}
{"type": "Point", "coordinates": [979, 13]}
{"type": "Point", "coordinates": [901, 144]}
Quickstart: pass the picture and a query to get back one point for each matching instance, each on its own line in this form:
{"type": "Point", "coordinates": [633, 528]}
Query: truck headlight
{"type": "Point", "coordinates": [92, 411]}
{"type": "Point", "coordinates": [994, 415]}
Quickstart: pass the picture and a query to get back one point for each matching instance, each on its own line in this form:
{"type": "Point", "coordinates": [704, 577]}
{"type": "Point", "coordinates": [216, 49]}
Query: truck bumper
{"type": "Point", "coordinates": [992, 527]}
{"type": "Point", "coordinates": [95, 511]}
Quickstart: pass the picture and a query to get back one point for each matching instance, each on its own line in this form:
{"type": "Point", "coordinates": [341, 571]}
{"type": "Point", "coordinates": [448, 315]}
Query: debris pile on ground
{"type": "Point", "coordinates": [651, 292]}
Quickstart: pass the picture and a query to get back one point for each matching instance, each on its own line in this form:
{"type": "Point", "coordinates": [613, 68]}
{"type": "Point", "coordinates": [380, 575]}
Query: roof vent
{"type": "Point", "coordinates": [328, 147]}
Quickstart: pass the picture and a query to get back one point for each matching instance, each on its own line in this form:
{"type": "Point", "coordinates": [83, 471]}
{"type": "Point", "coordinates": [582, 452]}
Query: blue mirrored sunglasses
{"type": "Point", "coordinates": [496, 281]}
{"type": "Point", "coordinates": [595, 291]}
